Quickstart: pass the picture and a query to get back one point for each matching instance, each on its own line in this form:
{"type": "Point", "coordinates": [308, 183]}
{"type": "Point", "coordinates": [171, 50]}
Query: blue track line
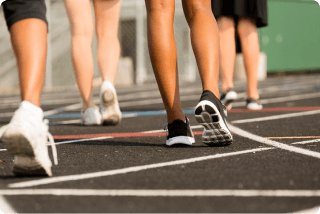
{"type": "Point", "coordinates": [124, 114]}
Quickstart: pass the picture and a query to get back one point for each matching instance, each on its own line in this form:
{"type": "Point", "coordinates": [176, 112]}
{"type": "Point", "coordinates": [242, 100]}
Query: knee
{"type": "Point", "coordinates": [81, 29]}
{"type": "Point", "coordinates": [225, 23]}
{"type": "Point", "coordinates": [246, 26]}
{"type": "Point", "coordinates": [160, 7]}
{"type": "Point", "coordinates": [194, 8]}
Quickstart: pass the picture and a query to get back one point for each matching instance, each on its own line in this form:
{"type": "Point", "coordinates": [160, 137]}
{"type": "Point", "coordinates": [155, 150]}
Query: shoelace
{"type": "Point", "coordinates": [52, 144]}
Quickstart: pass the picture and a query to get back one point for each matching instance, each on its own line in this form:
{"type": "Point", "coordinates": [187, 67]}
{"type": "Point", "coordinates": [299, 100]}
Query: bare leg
{"type": "Point", "coordinates": [163, 54]}
{"type": "Point", "coordinates": [29, 42]}
{"type": "Point", "coordinates": [251, 52]}
{"type": "Point", "coordinates": [205, 41]}
{"type": "Point", "coordinates": [227, 50]}
{"type": "Point", "coordinates": [107, 22]}
{"type": "Point", "coordinates": [81, 23]}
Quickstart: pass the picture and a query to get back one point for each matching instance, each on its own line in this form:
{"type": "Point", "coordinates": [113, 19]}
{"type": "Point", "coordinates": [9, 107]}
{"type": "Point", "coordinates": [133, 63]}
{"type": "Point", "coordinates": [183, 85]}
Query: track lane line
{"type": "Point", "coordinates": [59, 179]}
{"type": "Point", "coordinates": [315, 210]}
{"type": "Point", "coordinates": [163, 192]}
{"type": "Point", "coordinates": [5, 206]}
{"type": "Point", "coordinates": [276, 117]}
{"type": "Point", "coordinates": [293, 137]}
{"type": "Point", "coordinates": [308, 141]}
{"type": "Point", "coordinates": [283, 146]}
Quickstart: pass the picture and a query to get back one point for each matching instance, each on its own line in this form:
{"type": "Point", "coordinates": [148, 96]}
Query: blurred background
{"type": "Point", "coordinates": [289, 45]}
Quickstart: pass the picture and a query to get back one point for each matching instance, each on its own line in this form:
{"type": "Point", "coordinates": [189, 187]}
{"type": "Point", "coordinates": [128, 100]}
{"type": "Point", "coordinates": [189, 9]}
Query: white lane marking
{"type": "Point", "coordinates": [276, 117]}
{"type": "Point", "coordinates": [315, 210]}
{"type": "Point", "coordinates": [127, 170]}
{"type": "Point", "coordinates": [45, 102]}
{"type": "Point", "coordinates": [62, 109]}
{"type": "Point", "coordinates": [273, 143]}
{"type": "Point", "coordinates": [282, 99]}
{"type": "Point", "coordinates": [307, 141]}
{"type": "Point", "coordinates": [5, 206]}
{"type": "Point", "coordinates": [182, 98]}
{"type": "Point", "coordinates": [163, 192]}
{"type": "Point", "coordinates": [77, 121]}
{"type": "Point", "coordinates": [81, 140]}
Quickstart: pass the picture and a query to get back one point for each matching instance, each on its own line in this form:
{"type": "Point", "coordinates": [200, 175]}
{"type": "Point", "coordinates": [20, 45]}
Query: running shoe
{"type": "Point", "coordinates": [211, 114]}
{"type": "Point", "coordinates": [110, 111]}
{"type": "Point", "coordinates": [179, 133]}
{"type": "Point", "coordinates": [26, 138]}
{"type": "Point", "coordinates": [254, 104]}
{"type": "Point", "coordinates": [91, 116]}
{"type": "Point", "coordinates": [228, 98]}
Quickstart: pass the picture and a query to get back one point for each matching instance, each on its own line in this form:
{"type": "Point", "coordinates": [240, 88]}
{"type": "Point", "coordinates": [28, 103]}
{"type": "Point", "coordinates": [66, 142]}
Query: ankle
{"type": "Point", "coordinates": [86, 106]}
{"type": "Point", "coordinates": [175, 117]}
{"type": "Point", "coordinates": [226, 88]}
{"type": "Point", "coordinates": [254, 96]}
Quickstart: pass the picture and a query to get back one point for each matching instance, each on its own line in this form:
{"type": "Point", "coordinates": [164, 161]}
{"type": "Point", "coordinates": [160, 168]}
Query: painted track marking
{"type": "Point", "coordinates": [127, 170]}
{"type": "Point", "coordinates": [276, 117]}
{"type": "Point", "coordinates": [5, 206]}
{"type": "Point", "coordinates": [314, 210]}
{"type": "Point", "coordinates": [182, 98]}
{"type": "Point", "coordinates": [308, 141]}
{"type": "Point", "coordinates": [293, 137]}
{"type": "Point", "coordinates": [273, 143]}
{"type": "Point", "coordinates": [163, 192]}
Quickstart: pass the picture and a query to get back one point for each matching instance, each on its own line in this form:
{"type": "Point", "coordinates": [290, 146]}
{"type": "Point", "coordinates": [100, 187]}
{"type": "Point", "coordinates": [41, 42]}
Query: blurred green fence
{"type": "Point", "coordinates": [292, 39]}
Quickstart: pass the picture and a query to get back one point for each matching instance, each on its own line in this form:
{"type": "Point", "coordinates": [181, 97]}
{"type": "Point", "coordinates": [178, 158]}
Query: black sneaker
{"type": "Point", "coordinates": [211, 114]}
{"type": "Point", "coordinates": [179, 133]}
{"type": "Point", "coordinates": [228, 98]}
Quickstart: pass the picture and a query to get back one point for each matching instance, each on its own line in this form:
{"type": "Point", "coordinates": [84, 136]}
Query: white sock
{"type": "Point", "coordinates": [31, 107]}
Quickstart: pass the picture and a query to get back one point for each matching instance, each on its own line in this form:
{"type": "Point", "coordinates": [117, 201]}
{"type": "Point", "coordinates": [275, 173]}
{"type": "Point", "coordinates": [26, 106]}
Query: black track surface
{"type": "Point", "coordinates": [274, 169]}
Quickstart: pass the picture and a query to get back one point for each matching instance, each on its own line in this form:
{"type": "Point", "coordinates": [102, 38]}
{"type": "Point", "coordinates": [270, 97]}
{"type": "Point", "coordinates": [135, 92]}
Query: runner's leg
{"type": "Point", "coordinates": [163, 54]}
{"type": "Point", "coordinates": [251, 52]}
{"type": "Point", "coordinates": [227, 50]}
{"type": "Point", "coordinates": [205, 41]}
{"type": "Point", "coordinates": [81, 24]}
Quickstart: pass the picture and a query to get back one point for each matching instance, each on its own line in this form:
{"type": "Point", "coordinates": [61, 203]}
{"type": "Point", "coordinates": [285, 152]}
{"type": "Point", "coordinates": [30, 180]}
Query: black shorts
{"type": "Point", "coordinates": [16, 10]}
{"type": "Point", "coordinates": [254, 9]}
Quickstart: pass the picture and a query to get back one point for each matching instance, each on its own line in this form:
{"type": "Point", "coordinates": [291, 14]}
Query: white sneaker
{"type": "Point", "coordinates": [91, 116]}
{"type": "Point", "coordinates": [228, 98]}
{"type": "Point", "coordinates": [253, 104]}
{"type": "Point", "coordinates": [26, 138]}
{"type": "Point", "coordinates": [110, 111]}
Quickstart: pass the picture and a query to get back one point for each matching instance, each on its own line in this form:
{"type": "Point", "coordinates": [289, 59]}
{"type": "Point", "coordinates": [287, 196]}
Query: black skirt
{"type": "Point", "coordinates": [255, 9]}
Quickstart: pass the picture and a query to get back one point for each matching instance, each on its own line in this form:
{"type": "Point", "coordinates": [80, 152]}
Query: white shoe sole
{"type": "Point", "coordinates": [112, 114]}
{"type": "Point", "coordinates": [254, 106]}
{"type": "Point", "coordinates": [215, 130]}
{"type": "Point", "coordinates": [19, 146]}
{"type": "Point", "coordinates": [180, 140]}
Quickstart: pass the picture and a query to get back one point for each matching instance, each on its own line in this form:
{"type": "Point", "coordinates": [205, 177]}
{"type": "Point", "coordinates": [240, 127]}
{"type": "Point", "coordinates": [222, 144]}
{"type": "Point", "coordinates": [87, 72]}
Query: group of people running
{"type": "Point", "coordinates": [212, 24]}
